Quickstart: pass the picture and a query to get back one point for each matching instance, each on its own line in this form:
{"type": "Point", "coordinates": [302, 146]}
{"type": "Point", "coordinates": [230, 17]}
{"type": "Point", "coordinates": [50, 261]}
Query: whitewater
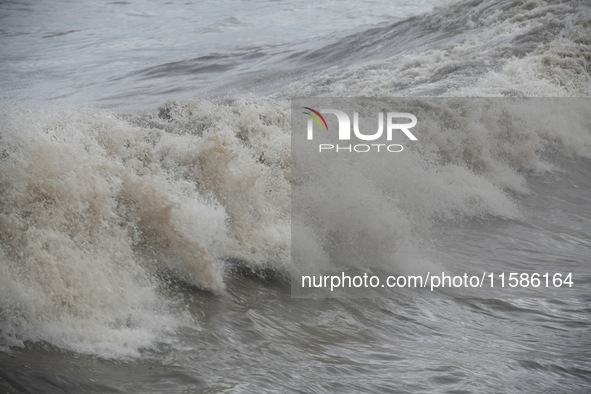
{"type": "Point", "coordinates": [146, 179]}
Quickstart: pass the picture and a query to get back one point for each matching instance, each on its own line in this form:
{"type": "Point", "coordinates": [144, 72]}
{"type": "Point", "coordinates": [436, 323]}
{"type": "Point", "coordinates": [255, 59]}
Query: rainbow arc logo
{"type": "Point", "coordinates": [317, 116]}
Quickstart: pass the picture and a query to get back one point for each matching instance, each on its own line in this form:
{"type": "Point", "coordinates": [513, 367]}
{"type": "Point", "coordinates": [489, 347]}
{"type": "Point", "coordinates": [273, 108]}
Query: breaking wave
{"type": "Point", "coordinates": [95, 205]}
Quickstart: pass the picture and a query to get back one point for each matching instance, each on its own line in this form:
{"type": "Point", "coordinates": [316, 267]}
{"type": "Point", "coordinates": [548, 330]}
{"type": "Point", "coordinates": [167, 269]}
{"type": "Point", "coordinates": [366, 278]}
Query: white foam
{"type": "Point", "coordinates": [89, 200]}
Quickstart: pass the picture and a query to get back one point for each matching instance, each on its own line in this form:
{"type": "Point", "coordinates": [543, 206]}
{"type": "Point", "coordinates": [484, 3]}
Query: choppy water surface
{"type": "Point", "coordinates": [144, 243]}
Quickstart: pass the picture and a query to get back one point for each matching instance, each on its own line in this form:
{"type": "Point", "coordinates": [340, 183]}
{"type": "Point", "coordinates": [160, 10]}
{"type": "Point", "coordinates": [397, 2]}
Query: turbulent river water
{"type": "Point", "coordinates": [145, 228]}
